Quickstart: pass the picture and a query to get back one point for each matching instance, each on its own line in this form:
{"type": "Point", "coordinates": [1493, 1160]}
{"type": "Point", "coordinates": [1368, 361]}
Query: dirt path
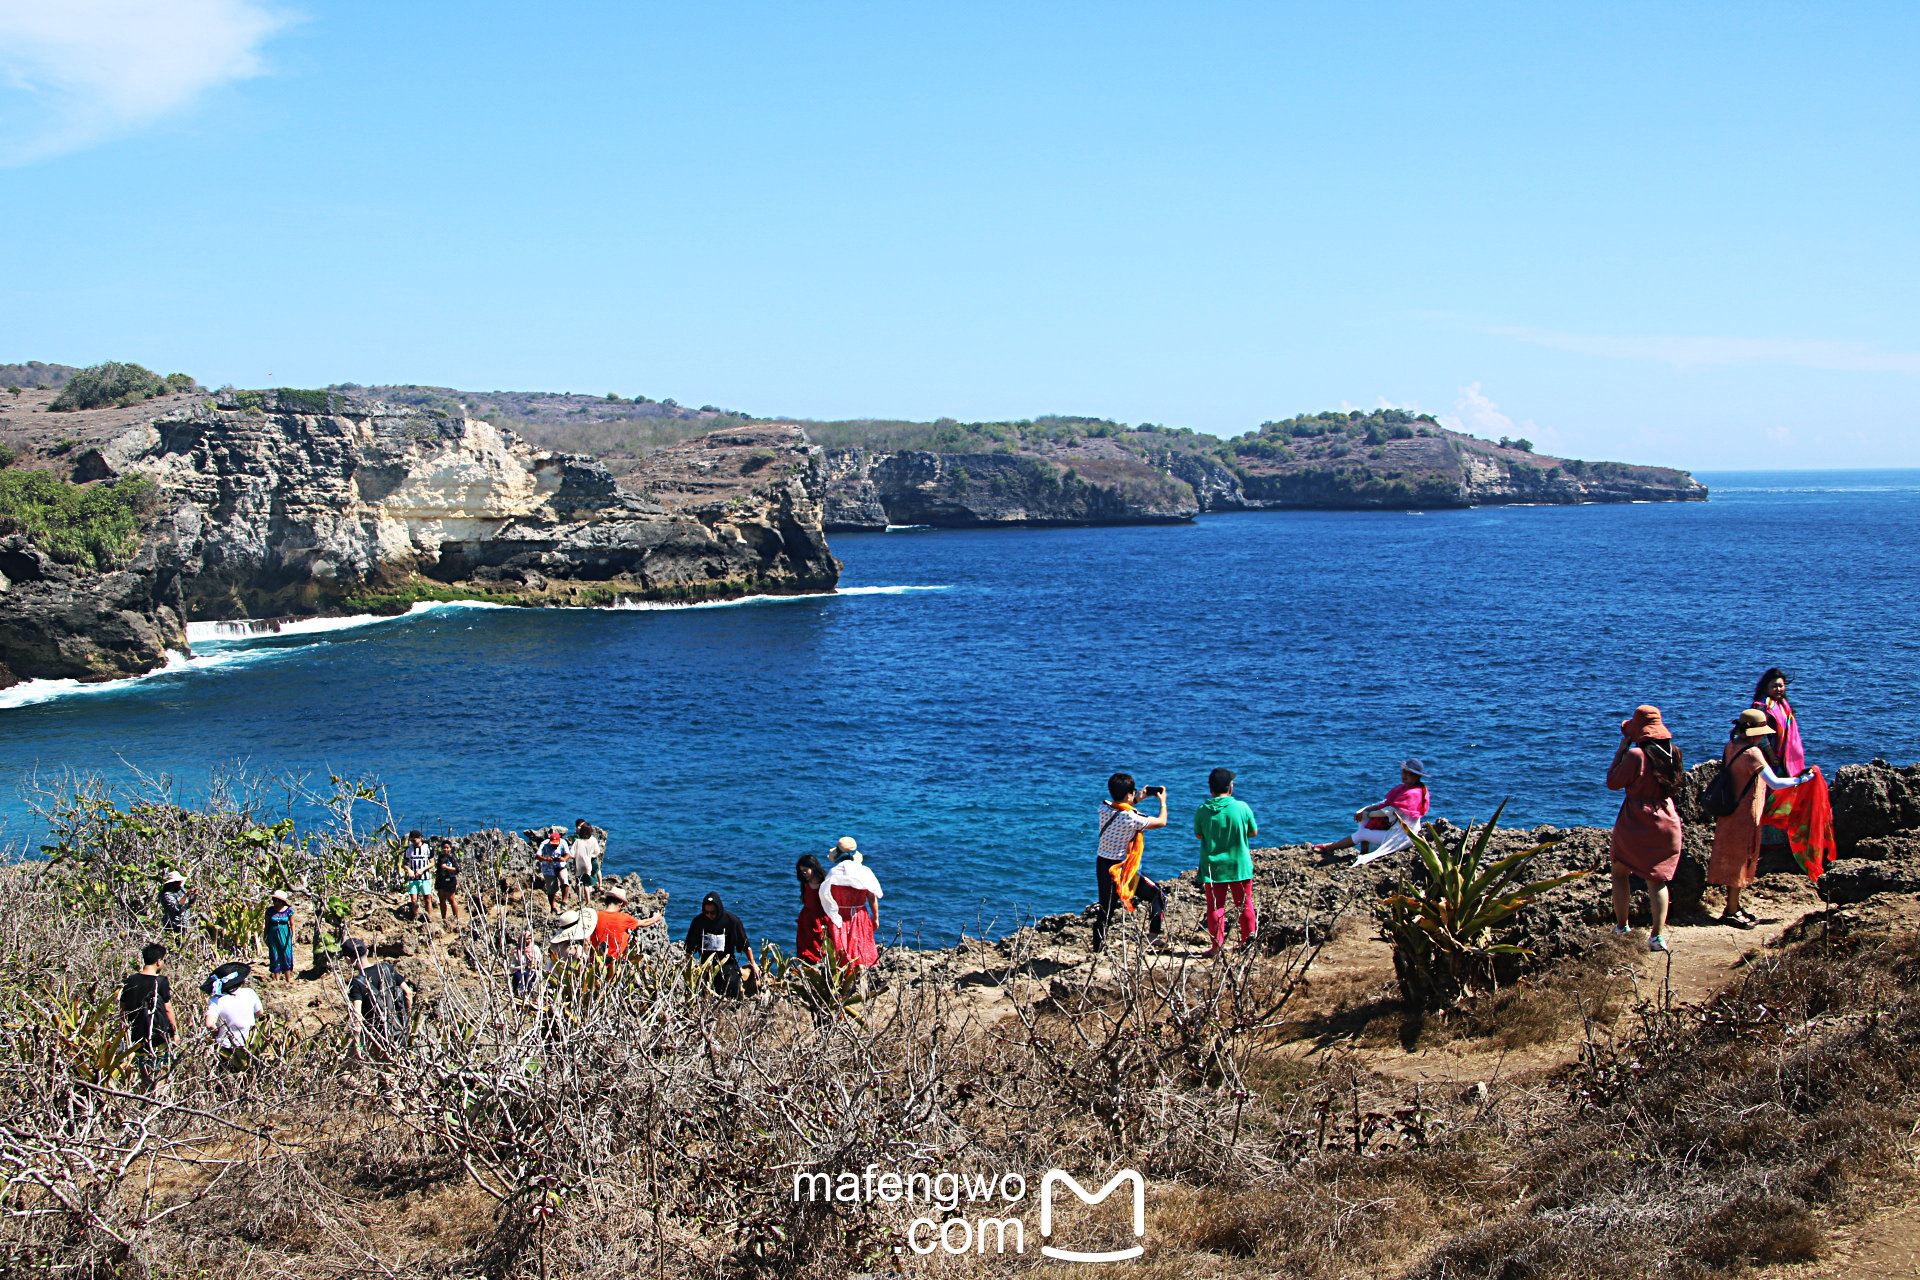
{"type": "Point", "coordinates": [1350, 1008]}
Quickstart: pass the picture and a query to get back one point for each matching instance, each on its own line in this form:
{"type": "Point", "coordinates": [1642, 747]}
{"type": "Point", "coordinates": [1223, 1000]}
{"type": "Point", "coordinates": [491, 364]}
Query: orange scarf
{"type": "Point", "coordinates": [1126, 875]}
{"type": "Point", "coordinates": [1805, 813]}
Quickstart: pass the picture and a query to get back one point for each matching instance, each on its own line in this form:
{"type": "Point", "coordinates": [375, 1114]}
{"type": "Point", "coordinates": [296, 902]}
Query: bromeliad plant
{"type": "Point", "coordinates": [1443, 925]}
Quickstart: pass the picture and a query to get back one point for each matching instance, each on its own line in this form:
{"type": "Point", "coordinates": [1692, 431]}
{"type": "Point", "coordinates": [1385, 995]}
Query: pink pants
{"type": "Point", "coordinates": [1241, 892]}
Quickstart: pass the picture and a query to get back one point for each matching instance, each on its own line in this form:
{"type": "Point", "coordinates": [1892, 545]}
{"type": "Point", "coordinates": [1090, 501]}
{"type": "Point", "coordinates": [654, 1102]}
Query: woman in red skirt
{"type": "Point", "coordinates": [810, 939]}
{"type": "Point", "coordinates": [851, 894]}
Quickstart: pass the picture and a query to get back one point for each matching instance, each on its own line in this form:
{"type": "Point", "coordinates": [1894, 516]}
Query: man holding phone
{"type": "Point", "coordinates": [1122, 841]}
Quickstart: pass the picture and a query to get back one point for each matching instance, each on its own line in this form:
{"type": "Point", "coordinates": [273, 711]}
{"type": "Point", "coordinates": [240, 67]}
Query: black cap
{"type": "Point", "coordinates": [354, 948]}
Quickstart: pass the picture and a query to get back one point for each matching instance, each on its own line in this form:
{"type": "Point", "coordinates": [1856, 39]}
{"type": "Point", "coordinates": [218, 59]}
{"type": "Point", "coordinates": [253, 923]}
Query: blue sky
{"type": "Point", "coordinates": [1678, 234]}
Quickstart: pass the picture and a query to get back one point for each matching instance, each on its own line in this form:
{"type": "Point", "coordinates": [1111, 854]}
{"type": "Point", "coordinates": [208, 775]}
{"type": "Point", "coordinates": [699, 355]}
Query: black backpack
{"type": "Point", "coordinates": [387, 1012]}
{"type": "Point", "coordinates": [1719, 798]}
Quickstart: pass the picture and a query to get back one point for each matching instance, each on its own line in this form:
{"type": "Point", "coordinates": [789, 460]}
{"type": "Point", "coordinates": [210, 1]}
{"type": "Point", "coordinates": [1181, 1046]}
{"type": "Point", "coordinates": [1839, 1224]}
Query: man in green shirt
{"type": "Point", "coordinates": [1224, 826]}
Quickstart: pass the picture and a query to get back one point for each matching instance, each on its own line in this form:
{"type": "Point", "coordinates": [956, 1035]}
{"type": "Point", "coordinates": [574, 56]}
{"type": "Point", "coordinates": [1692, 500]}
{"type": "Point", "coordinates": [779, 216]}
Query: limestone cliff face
{"type": "Point", "coordinates": [1144, 483]}
{"type": "Point", "coordinates": [1443, 470]}
{"type": "Point", "coordinates": [866, 490]}
{"type": "Point", "coordinates": [281, 508]}
{"type": "Point", "coordinates": [65, 622]}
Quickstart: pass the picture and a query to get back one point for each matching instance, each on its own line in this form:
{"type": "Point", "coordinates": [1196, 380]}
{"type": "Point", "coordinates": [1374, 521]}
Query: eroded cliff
{"type": "Point", "coordinates": [277, 504]}
{"type": "Point", "coordinates": [282, 507]}
{"type": "Point", "coordinates": [1141, 477]}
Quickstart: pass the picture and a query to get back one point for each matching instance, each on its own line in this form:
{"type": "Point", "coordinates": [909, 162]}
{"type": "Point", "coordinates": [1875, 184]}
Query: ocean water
{"type": "Point", "coordinates": [958, 706]}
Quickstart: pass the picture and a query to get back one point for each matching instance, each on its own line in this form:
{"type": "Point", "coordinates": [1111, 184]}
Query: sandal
{"type": "Point", "coordinates": [1739, 920]}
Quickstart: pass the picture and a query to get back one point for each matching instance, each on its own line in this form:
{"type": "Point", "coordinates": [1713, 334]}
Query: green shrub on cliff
{"type": "Point", "coordinates": [113, 383]}
{"type": "Point", "coordinates": [93, 525]}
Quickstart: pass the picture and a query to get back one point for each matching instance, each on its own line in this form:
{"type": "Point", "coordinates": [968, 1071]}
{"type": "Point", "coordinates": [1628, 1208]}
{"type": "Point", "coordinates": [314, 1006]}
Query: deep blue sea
{"type": "Point", "coordinates": [958, 707]}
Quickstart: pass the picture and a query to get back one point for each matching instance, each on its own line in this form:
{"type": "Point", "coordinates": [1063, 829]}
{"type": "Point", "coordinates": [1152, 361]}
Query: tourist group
{"type": "Point", "coordinates": [1763, 794]}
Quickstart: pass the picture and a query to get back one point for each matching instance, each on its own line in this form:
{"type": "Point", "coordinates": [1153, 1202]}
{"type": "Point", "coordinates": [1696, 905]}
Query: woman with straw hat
{"type": "Point", "coordinates": [1736, 836]}
{"type": "Point", "coordinates": [850, 897]}
{"type": "Point", "coordinates": [279, 931]}
{"type": "Point", "coordinates": [1646, 834]}
{"type": "Point", "coordinates": [176, 903]}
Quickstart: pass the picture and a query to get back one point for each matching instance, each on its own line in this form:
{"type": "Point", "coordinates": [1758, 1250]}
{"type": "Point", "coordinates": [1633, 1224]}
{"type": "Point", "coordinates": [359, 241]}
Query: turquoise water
{"type": "Point", "coordinates": [959, 707]}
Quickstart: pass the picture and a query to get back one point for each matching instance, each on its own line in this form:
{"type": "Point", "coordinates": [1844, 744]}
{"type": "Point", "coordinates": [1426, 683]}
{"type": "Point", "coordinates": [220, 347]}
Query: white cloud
{"type": "Point", "coordinates": [1475, 413]}
{"type": "Point", "coordinates": [77, 72]}
{"type": "Point", "coordinates": [1681, 352]}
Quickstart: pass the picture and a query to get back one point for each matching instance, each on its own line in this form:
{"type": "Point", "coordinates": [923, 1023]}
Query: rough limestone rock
{"type": "Point", "coordinates": [959, 490]}
{"type": "Point", "coordinates": [1142, 482]}
{"type": "Point", "coordinates": [1874, 799]}
{"type": "Point", "coordinates": [64, 622]}
{"type": "Point", "coordinates": [297, 503]}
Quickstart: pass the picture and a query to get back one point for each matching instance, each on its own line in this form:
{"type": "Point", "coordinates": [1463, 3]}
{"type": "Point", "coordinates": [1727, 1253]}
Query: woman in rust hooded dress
{"type": "Point", "coordinates": [1646, 835]}
{"type": "Point", "coordinates": [1736, 836]}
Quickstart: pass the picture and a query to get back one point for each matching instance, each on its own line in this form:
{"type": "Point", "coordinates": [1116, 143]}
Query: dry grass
{"type": "Point", "coordinates": [636, 1123]}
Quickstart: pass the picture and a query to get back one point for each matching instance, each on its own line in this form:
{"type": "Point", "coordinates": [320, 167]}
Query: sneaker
{"type": "Point", "coordinates": [1622, 929]}
{"type": "Point", "coordinates": [1658, 942]}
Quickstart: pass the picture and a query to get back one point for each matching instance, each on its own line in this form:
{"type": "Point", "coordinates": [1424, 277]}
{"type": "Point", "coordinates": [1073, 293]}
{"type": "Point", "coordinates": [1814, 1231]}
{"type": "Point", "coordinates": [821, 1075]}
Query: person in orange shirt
{"type": "Point", "coordinates": [613, 927]}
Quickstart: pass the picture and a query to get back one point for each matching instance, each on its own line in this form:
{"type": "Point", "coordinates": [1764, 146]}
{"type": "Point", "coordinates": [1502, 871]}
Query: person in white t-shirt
{"type": "Point", "coordinates": [589, 851]}
{"type": "Point", "coordinates": [233, 1011]}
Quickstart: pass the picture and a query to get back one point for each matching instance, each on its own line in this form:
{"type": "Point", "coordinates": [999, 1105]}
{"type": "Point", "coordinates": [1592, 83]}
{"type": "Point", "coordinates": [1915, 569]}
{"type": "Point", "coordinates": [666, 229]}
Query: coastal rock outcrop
{"type": "Point", "coordinates": [300, 502]}
{"type": "Point", "coordinates": [67, 622]}
{"type": "Point", "coordinates": [871, 490]}
{"type": "Point", "coordinates": [1141, 478]}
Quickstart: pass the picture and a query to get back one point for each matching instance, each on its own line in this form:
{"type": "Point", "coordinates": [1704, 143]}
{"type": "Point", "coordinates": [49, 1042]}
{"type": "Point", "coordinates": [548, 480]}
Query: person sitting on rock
{"type": "Point", "coordinates": [1380, 833]}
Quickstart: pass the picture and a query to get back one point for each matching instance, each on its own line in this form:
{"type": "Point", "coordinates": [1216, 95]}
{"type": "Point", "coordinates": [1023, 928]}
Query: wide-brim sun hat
{"type": "Point", "coordinates": [1753, 723]}
{"type": "Point", "coordinates": [613, 893]}
{"type": "Point", "coordinates": [172, 877]}
{"type": "Point", "coordinates": [576, 926]}
{"type": "Point", "coordinates": [1415, 766]}
{"type": "Point", "coordinates": [1646, 725]}
{"type": "Point", "coordinates": [281, 895]}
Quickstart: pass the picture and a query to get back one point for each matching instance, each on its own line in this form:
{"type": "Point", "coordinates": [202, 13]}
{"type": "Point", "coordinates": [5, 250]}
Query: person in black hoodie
{"type": "Point", "coordinates": [716, 933]}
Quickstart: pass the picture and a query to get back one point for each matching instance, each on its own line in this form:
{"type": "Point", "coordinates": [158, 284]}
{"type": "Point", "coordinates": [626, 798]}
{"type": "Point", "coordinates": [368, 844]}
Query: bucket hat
{"type": "Point", "coordinates": [1646, 725]}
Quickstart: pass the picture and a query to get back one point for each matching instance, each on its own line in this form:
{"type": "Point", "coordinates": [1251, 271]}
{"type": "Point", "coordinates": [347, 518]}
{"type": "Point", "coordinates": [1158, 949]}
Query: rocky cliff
{"type": "Point", "coordinates": [871, 490]}
{"type": "Point", "coordinates": [275, 504]}
{"type": "Point", "coordinates": [1148, 476]}
{"type": "Point", "coordinates": [281, 505]}
{"type": "Point", "coordinates": [67, 622]}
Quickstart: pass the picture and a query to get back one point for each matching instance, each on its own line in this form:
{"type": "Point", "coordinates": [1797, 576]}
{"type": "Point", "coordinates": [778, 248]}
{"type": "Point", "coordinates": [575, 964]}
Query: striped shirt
{"type": "Point", "coordinates": [1117, 828]}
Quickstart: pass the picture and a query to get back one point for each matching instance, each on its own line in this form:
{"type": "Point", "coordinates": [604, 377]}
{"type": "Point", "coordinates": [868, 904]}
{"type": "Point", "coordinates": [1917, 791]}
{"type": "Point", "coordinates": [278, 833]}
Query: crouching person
{"type": "Point", "coordinates": [379, 1002]}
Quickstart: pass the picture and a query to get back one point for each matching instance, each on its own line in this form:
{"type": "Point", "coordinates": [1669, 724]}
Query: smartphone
{"type": "Point", "coordinates": [1156, 791]}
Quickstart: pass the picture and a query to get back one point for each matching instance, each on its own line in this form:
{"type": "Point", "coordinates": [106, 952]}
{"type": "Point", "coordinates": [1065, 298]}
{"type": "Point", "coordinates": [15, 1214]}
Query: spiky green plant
{"type": "Point", "coordinates": [1443, 926]}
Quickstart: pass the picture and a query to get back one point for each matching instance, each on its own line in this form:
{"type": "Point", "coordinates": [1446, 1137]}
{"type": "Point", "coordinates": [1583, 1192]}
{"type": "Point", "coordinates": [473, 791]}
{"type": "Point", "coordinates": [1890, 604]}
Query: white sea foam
{"type": "Point", "coordinates": [746, 601]}
{"type": "Point", "coordinates": [28, 692]}
{"type": "Point", "coordinates": [240, 630]}
{"type": "Point", "coordinates": [226, 644]}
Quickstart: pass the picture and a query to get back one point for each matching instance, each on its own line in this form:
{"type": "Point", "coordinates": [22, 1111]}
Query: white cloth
{"type": "Point", "coordinates": [853, 875]}
{"type": "Point", "coordinates": [233, 1016]}
{"type": "Point", "coordinates": [586, 851]}
{"type": "Point", "coordinates": [1373, 843]}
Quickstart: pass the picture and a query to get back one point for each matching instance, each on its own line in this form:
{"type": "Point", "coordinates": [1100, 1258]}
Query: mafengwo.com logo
{"type": "Point", "coordinates": [980, 1213]}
